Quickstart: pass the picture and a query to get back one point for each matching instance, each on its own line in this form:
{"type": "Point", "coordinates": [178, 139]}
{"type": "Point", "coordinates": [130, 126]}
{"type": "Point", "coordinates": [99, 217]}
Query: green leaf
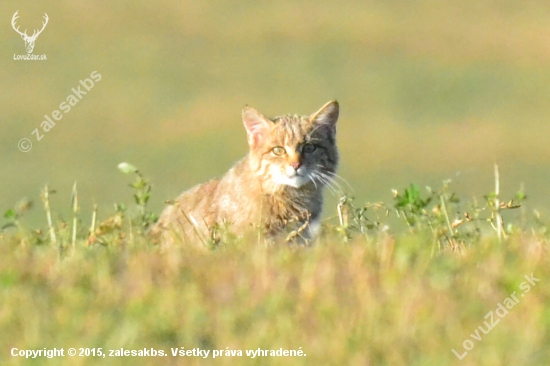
{"type": "Point", "coordinates": [138, 184]}
{"type": "Point", "coordinates": [120, 207]}
{"type": "Point", "coordinates": [412, 193]}
{"type": "Point", "coordinates": [520, 196]}
{"type": "Point", "coordinates": [10, 214]}
{"type": "Point", "coordinates": [127, 168]}
{"type": "Point", "coordinates": [151, 217]}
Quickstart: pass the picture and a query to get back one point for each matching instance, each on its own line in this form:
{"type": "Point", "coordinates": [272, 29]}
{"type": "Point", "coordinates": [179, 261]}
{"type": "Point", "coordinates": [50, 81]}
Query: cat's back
{"type": "Point", "coordinates": [199, 197]}
{"type": "Point", "coordinates": [191, 211]}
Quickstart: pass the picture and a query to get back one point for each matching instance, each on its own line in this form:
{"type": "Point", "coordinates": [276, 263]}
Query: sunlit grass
{"type": "Point", "coordinates": [429, 91]}
{"type": "Point", "coordinates": [365, 294]}
{"type": "Point", "coordinates": [383, 301]}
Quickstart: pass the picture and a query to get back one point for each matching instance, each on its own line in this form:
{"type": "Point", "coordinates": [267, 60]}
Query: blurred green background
{"type": "Point", "coordinates": [429, 90]}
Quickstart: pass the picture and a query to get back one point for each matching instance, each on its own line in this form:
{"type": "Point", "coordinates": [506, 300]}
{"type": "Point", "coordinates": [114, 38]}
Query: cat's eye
{"type": "Point", "coordinates": [309, 148]}
{"type": "Point", "coordinates": [278, 150]}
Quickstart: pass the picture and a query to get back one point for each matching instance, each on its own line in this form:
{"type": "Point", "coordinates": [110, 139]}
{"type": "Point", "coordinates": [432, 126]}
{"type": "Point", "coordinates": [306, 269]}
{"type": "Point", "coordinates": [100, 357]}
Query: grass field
{"type": "Point", "coordinates": [368, 293]}
{"type": "Point", "coordinates": [429, 91]}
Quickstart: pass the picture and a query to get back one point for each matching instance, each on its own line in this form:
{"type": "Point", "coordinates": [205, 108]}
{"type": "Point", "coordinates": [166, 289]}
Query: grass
{"type": "Point", "coordinates": [369, 293]}
{"type": "Point", "coordinates": [428, 90]}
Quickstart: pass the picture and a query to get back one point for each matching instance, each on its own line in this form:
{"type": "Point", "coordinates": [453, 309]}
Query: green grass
{"type": "Point", "coordinates": [428, 90]}
{"type": "Point", "coordinates": [365, 294]}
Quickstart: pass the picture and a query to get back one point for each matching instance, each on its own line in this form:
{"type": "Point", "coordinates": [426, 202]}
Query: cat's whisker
{"type": "Point", "coordinates": [312, 178]}
{"type": "Point", "coordinates": [337, 189]}
{"type": "Point", "coordinates": [331, 186]}
{"type": "Point", "coordinates": [334, 191]}
{"type": "Point", "coordinates": [335, 175]}
{"type": "Point", "coordinates": [330, 178]}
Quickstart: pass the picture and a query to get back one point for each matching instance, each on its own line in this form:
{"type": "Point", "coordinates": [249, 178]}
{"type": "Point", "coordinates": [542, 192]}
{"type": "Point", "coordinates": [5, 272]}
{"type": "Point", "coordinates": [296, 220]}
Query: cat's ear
{"type": "Point", "coordinates": [257, 126]}
{"type": "Point", "coordinates": [327, 115]}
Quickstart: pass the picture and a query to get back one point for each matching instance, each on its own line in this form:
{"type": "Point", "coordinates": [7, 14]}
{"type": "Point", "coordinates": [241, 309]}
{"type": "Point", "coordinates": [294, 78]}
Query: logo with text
{"type": "Point", "coordinates": [29, 40]}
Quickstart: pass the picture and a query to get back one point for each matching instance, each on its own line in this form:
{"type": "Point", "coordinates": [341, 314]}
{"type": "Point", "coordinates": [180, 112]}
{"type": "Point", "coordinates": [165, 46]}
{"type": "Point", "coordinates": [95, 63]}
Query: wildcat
{"type": "Point", "coordinates": [277, 187]}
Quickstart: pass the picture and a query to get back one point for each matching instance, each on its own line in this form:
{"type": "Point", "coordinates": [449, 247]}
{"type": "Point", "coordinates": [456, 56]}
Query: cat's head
{"type": "Point", "coordinates": [293, 150]}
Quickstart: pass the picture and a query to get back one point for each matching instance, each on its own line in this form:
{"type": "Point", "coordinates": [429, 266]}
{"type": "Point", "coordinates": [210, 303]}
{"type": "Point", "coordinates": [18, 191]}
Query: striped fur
{"type": "Point", "coordinates": [277, 187]}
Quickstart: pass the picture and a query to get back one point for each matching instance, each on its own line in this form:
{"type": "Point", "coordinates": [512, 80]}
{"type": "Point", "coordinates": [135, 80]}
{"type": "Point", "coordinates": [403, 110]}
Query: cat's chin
{"type": "Point", "coordinates": [296, 181]}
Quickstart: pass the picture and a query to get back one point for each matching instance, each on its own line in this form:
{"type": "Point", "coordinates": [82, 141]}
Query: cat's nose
{"type": "Point", "coordinates": [295, 165]}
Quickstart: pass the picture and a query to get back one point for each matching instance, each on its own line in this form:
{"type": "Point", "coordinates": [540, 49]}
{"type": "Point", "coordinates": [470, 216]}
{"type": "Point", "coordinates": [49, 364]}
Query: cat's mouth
{"type": "Point", "coordinates": [296, 181]}
{"type": "Point", "coordinates": [291, 177]}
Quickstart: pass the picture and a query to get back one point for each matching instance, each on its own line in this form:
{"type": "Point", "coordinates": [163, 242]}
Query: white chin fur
{"type": "Point", "coordinates": [296, 181]}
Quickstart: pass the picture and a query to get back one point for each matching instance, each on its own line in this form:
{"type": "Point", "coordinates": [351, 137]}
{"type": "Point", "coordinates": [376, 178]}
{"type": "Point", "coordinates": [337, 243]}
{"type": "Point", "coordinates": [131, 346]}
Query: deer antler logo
{"type": "Point", "coordinates": [29, 40]}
